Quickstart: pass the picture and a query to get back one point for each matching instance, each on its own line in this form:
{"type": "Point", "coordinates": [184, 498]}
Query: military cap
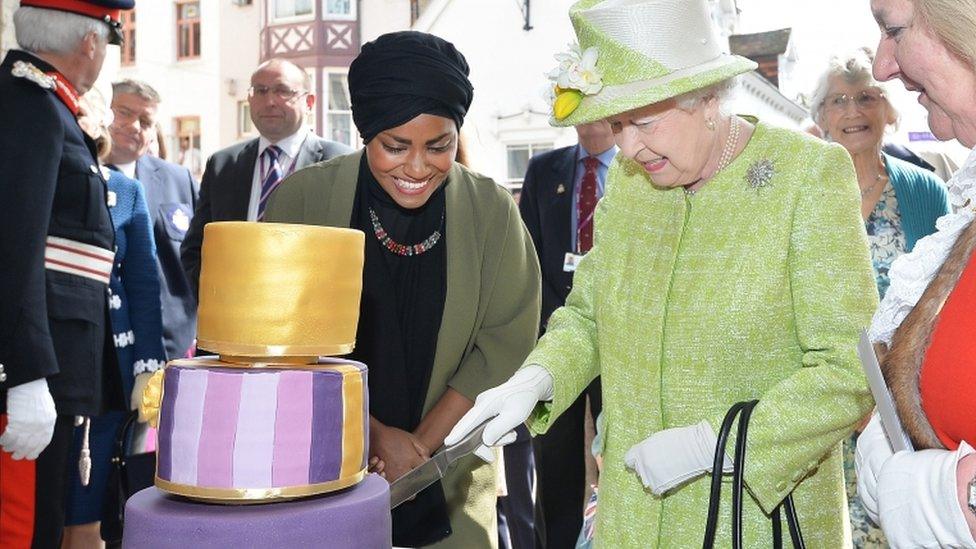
{"type": "Point", "coordinates": [109, 11]}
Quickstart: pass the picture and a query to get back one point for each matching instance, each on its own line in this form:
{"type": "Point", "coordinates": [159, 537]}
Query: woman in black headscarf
{"type": "Point", "coordinates": [450, 302]}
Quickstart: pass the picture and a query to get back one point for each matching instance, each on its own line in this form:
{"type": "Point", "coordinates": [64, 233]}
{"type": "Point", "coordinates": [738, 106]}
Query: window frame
{"type": "Point", "coordinates": [327, 74]}
{"type": "Point", "coordinates": [128, 53]}
{"type": "Point", "coordinates": [190, 22]}
{"type": "Point", "coordinates": [275, 20]}
{"type": "Point", "coordinates": [533, 148]}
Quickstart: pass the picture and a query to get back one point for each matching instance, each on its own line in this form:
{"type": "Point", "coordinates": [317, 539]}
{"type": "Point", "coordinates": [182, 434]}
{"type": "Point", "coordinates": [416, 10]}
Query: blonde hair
{"type": "Point", "coordinates": [954, 23]}
{"type": "Point", "coordinates": [93, 108]}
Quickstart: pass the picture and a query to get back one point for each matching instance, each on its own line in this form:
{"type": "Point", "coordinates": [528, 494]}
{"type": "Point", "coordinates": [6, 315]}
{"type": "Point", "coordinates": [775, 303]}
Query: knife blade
{"type": "Point", "coordinates": [434, 469]}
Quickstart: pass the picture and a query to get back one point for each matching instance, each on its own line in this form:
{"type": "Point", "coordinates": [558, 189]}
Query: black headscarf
{"type": "Point", "coordinates": [404, 74]}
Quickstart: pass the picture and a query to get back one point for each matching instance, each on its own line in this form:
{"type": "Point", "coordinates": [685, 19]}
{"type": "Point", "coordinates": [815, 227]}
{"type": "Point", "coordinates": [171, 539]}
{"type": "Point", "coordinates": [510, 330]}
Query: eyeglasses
{"type": "Point", "coordinates": [864, 100]}
{"type": "Point", "coordinates": [281, 92]}
{"type": "Point", "coordinates": [126, 116]}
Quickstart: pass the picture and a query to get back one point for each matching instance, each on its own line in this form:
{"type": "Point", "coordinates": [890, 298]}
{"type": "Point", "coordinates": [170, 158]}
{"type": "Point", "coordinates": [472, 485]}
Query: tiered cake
{"type": "Point", "coordinates": [269, 420]}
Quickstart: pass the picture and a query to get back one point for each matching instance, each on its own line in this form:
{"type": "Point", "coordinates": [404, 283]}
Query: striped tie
{"type": "Point", "coordinates": [272, 176]}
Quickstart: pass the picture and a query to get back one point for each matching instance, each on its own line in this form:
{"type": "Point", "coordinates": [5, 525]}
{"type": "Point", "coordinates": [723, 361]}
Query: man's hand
{"type": "Point", "coordinates": [30, 419]}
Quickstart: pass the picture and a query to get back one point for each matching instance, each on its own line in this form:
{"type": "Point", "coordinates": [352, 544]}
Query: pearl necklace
{"type": "Point", "coordinates": [731, 141]}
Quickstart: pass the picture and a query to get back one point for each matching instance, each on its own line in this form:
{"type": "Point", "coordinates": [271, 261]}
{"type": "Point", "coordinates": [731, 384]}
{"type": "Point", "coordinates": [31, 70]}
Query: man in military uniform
{"type": "Point", "coordinates": [57, 242]}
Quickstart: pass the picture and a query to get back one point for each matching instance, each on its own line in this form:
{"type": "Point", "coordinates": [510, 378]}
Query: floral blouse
{"type": "Point", "coordinates": [885, 236]}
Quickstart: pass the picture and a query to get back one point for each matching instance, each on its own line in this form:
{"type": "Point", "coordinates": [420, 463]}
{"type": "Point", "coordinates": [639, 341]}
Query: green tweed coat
{"type": "Point", "coordinates": [754, 287]}
{"type": "Point", "coordinates": [491, 312]}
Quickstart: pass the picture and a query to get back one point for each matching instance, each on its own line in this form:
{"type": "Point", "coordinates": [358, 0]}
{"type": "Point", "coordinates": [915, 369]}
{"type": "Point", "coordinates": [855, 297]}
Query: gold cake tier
{"type": "Point", "coordinates": [273, 290]}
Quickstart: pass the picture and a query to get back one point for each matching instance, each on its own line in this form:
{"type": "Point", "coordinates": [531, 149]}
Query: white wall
{"type": "Point", "coordinates": [378, 17]}
{"type": "Point", "coordinates": [508, 67]}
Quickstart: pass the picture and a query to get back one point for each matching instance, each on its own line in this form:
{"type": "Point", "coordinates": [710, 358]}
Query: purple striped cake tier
{"type": "Point", "coordinates": [239, 433]}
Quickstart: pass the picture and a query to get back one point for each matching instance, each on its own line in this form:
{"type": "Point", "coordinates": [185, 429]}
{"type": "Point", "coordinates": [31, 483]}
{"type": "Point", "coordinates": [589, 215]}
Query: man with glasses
{"type": "Point", "coordinates": [171, 194]}
{"type": "Point", "coordinates": [238, 180]}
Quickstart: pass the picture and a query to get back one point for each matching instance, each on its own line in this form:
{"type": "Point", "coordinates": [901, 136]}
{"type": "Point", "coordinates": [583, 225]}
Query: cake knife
{"type": "Point", "coordinates": [434, 469]}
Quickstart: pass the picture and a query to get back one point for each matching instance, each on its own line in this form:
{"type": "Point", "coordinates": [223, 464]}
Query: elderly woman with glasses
{"type": "Point", "coordinates": [729, 263]}
{"type": "Point", "coordinates": [924, 325]}
{"type": "Point", "coordinates": [899, 201]}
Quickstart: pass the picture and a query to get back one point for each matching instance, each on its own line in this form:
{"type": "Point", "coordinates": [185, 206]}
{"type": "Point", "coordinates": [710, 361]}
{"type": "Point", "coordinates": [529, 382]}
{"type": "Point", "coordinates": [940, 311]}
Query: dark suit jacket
{"type": "Point", "coordinates": [226, 190]}
{"type": "Point", "coordinates": [545, 205]}
{"type": "Point", "coordinates": [171, 194]}
{"type": "Point", "coordinates": [52, 324]}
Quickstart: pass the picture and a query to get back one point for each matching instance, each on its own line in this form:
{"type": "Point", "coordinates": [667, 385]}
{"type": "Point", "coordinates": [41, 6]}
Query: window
{"type": "Point", "coordinates": [338, 112]}
{"type": "Point", "coordinates": [245, 127]}
{"type": "Point", "coordinates": [285, 9]}
{"type": "Point", "coordinates": [518, 162]}
{"type": "Point", "coordinates": [129, 35]}
{"type": "Point", "coordinates": [187, 29]}
{"type": "Point", "coordinates": [188, 152]}
{"type": "Point", "coordinates": [339, 7]}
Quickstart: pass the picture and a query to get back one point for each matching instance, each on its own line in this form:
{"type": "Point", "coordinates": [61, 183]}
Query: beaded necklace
{"type": "Point", "coordinates": [404, 249]}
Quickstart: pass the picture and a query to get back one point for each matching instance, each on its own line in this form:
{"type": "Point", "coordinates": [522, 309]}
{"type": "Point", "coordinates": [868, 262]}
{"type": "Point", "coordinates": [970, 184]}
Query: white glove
{"type": "Point", "coordinates": [873, 450]}
{"type": "Point", "coordinates": [917, 500]}
{"type": "Point", "coordinates": [674, 456]}
{"type": "Point", "coordinates": [138, 387]}
{"type": "Point", "coordinates": [30, 419]}
{"type": "Point", "coordinates": [509, 404]}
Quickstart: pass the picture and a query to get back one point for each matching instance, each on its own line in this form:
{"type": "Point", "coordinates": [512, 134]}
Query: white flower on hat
{"type": "Point", "coordinates": [576, 76]}
{"type": "Point", "coordinates": [578, 70]}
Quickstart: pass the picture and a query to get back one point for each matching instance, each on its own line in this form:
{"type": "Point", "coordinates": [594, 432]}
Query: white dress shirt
{"type": "Point", "coordinates": [290, 147]}
{"type": "Point", "coordinates": [128, 169]}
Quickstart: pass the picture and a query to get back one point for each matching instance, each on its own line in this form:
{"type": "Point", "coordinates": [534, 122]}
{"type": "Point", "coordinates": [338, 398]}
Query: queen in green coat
{"type": "Point", "coordinates": [730, 263]}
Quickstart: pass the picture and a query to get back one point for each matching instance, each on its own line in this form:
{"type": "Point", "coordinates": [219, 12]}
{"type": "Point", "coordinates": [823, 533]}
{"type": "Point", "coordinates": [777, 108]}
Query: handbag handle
{"type": "Point", "coordinates": [744, 411]}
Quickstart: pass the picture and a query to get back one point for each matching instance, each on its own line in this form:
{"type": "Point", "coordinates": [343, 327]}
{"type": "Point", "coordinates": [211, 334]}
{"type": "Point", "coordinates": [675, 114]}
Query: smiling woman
{"type": "Point", "coordinates": [451, 291]}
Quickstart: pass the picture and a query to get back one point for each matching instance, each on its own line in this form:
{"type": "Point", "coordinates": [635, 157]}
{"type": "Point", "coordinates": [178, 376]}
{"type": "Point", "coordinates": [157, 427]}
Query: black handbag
{"type": "Point", "coordinates": [129, 474]}
{"type": "Point", "coordinates": [744, 411]}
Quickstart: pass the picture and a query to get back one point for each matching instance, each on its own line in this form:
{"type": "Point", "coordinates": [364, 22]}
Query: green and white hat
{"type": "Point", "coordinates": [634, 53]}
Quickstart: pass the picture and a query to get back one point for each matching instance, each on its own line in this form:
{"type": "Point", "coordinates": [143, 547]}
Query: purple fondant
{"type": "Point", "coordinates": [215, 461]}
{"type": "Point", "coordinates": [326, 451]}
{"type": "Point", "coordinates": [164, 460]}
{"type": "Point", "coordinates": [293, 429]}
{"type": "Point", "coordinates": [254, 445]}
{"type": "Point", "coordinates": [356, 518]}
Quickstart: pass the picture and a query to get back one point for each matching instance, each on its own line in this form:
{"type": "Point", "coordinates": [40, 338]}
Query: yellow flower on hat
{"type": "Point", "coordinates": [565, 103]}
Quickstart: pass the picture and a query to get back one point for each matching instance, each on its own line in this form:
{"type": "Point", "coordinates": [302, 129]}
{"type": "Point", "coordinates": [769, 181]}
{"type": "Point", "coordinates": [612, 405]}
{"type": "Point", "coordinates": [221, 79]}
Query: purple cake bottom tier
{"type": "Point", "coordinates": [356, 518]}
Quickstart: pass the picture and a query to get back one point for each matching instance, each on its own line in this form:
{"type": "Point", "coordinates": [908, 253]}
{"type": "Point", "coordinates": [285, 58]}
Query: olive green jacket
{"type": "Point", "coordinates": [754, 287]}
{"type": "Point", "coordinates": [491, 311]}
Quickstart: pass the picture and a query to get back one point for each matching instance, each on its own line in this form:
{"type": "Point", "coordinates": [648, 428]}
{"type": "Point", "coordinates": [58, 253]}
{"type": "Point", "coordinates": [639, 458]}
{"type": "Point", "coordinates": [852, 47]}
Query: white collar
{"type": "Point", "coordinates": [289, 145]}
{"type": "Point", "coordinates": [129, 169]}
{"type": "Point", "coordinates": [911, 273]}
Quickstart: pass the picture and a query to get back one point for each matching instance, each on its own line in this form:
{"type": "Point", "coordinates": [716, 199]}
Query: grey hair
{"type": "Point", "coordinates": [40, 30]}
{"type": "Point", "coordinates": [138, 88]}
{"type": "Point", "coordinates": [855, 69]}
{"type": "Point", "coordinates": [721, 91]}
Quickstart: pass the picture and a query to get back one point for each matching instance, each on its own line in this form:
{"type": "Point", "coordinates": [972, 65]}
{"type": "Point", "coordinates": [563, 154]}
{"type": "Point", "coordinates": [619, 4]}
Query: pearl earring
{"type": "Point", "coordinates": [710, 124]}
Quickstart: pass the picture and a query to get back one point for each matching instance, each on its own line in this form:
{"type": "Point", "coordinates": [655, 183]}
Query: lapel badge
{"type": "Point", "coordinates": [760, 174]}
{"type": "Point", "coordinates": [180, 220]}
{"type": "Point", "coordinates": [112, 200]}
{"type": "Point", "coordinates": [560, 189]}
{"type": "Point", "coordinates": [30, 72]}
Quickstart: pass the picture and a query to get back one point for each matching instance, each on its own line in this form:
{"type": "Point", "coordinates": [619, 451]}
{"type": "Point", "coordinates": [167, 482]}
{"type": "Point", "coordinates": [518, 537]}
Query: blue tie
{"type": "Point", "coordinates": [271, 179]}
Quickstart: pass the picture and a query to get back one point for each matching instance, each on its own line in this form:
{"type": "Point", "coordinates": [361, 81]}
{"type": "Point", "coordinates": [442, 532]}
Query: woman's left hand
{"type": "Point", "coordinates": [672, 457]}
